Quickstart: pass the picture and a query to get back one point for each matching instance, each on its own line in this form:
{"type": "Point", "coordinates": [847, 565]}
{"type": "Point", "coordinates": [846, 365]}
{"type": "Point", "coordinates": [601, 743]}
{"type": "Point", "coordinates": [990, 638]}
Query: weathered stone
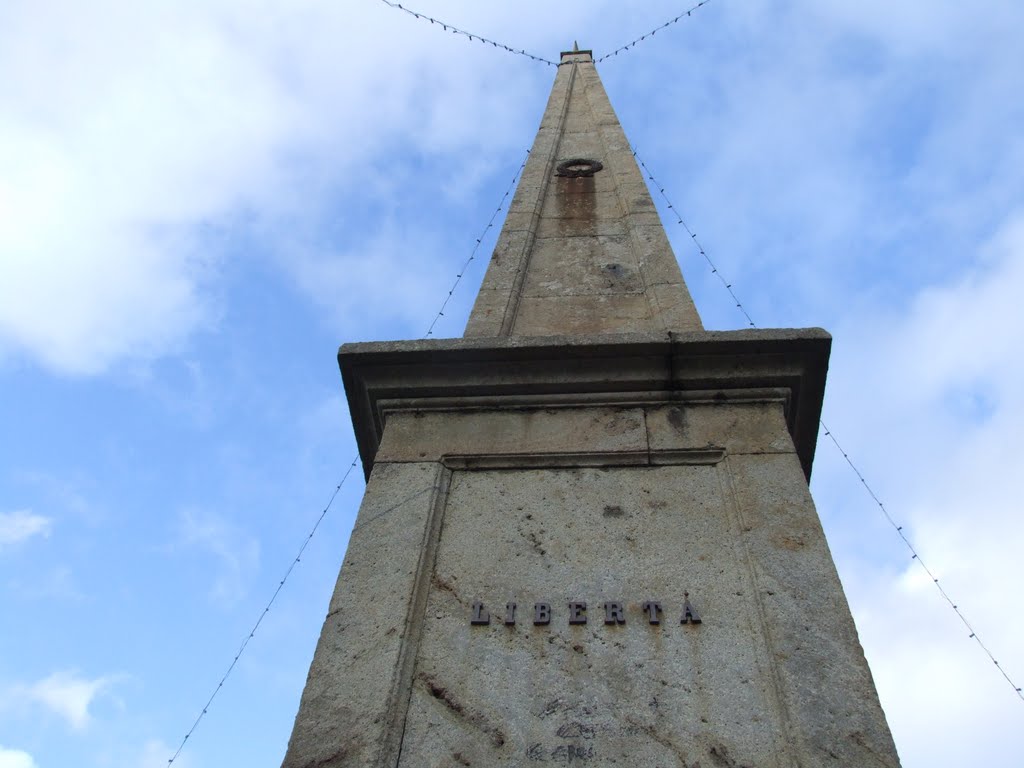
{"type": "Point", "coordinates": [824, 682]}
{"type": "Point", "coordinates": [541, 315]}
{"type": "Point", "coordinates": [650, 245]}
{"type": "Point", "coordinates": [582, 265]}
{"type": "Point", "coordinates": [556, 227]}
{"type": "Point", "coordinates": [584, 144]}
{"type": "Point", "coordinates": [739, 428]}
{"type": "Point", "coordinates": [634, 694]}
{"type": "Point", "coordinates": [576, 199]}
{"type": "Point", "coordinates": [509, 260]}
{"type": "Point", "coordinates": [671, 309]}
{"type": "Point", "coordinates": [354, 700]}
{"type": "Point", "coordinates": [434, 435]}
{"type": "Point", "coordinates": [489, 311]}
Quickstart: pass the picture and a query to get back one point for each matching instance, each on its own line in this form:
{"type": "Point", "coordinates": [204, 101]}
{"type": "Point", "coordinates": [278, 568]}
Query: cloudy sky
{"type": "Point", "coordinates": [200, 201]}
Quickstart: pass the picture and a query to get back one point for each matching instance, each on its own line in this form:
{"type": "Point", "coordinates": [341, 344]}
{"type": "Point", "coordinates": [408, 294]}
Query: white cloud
{"type": "Point", "coordinates": [933, 416]}
{"type": "Point", "coordinates": [59, 582]}
{"type": "Point", "coordinates": [103, 172]}
{"type": "Point", "coordinates": [115, 181]}
{"type": "Point", "coordinates": [15, 758]}
{"type": "Point", "coordinates": [22, 524]}
{"type": "Point", "coordinates": [66, 694]}
{"type": "Point", "coordinates": [408, 291]}
{"type": "Point", "coordinates": [237, 554]}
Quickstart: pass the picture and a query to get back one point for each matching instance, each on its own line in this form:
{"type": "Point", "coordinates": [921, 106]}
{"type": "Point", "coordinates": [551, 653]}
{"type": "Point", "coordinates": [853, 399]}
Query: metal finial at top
{"type": "Point", "coordinates": [575, 47]}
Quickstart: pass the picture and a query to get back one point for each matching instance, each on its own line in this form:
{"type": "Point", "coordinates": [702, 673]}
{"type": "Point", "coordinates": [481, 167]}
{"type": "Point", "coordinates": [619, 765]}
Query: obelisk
{"type": "Point", "coordinates": [587, 534]}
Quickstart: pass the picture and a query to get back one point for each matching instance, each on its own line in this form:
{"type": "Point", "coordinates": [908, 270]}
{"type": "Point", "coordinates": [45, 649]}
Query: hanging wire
{"type": "Point", "coordinates": [915, 556]}
{"type": "Point", "coordinates": [266, 610]}
{"type": "Point", "coordinates": [693, 237]}
{"type": "Point", "coordinates": [471, 35]}
{"type": "Point", "coordinates": [337, 488]}
{"type": "Point", "coordinates": [479, 240]}
{"type": "Point", "coordinates": [627, 46]}
{"type": "Point", "coordinates": [522, 52]}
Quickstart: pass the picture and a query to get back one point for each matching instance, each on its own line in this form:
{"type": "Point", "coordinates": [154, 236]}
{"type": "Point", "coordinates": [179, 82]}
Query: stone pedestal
{"type": "Point", "coordinates": [652, 477]}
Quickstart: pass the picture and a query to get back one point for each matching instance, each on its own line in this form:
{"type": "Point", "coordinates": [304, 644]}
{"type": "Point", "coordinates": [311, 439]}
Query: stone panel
{"type": "Point", "coordinates": [630, 695]}
{"type": "Point", "coordinates": [582, 314]}
{"type": "Point", "coordinates": [737, 427]}
{"type": "Point", "coordinates": [430, 436]}
{"type": "Point", "coordinates": [816, 655]}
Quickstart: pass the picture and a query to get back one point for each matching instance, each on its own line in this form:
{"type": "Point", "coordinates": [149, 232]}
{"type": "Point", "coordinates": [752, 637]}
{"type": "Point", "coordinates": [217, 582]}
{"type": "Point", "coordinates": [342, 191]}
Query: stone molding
{"type": "Point", "coordinates": [565, 371]}
{"type": "Point", "coordinates": [571, 459]}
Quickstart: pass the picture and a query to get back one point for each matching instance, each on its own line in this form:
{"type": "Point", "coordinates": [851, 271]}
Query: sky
{"type": "Point", "coordinates": [200, 201]}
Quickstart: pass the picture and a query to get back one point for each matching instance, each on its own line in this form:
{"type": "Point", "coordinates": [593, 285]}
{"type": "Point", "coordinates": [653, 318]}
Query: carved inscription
{"type": "Point", "coordinates": [563, 753]}
{"type": "Point", "coordinates": [574, 733]}
{"type": "Point", "coordinates": [614, 613]}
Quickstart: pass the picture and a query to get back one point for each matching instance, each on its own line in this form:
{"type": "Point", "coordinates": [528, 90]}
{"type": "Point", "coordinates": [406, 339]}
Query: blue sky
{"type": "Point", "coordinates": [200, 202]}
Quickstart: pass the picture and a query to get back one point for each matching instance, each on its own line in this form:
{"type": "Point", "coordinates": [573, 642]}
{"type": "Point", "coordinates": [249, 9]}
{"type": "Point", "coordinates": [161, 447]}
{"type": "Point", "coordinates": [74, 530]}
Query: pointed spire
{"type": "Point", "coordinates": [582, 249]}
{"type": "Point", "coordinates": [575, 47]}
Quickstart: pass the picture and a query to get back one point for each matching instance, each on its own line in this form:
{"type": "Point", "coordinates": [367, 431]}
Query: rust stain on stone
{"type": "Point", "coordinates": [576, 205]}
{"type": "Point", "coordinates": [444, 696]}
{"type": "Point", "coordinates": [792, 543]}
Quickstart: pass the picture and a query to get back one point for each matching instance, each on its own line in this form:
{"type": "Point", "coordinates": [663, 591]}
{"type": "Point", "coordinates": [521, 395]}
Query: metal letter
{"type": "Point", "coordinates": [480, 616]}
{"type": "Point", "coordinates": [577, 613]}
{"type": "Point", "coordinates": [541, 613]}
{"type": "Point", "coordinates": [653, 608]}
{"type": "Point", "coordinates": [689, 614]}
{"type": "Point", "coordinates": [613, 613]}
{"type": "Point", "coordinates": [510, 614]}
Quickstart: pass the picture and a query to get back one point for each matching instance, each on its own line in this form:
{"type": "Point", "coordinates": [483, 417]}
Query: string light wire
{"type": "Point", "coordinates": [632, 43]}
{"type": "Point", "coordinates": [266, 610]}
{"type": "Point", "coordinates": [915, 556]}
{"type": "Point", "coordinates": [476, 248]}
{"type": "Point", "coordinates": [521, 51]}
{"type": "Point", "coordinates": [471, 35]}
{"type": "Point", "coordinates": [337, 488]}
{"type": "Point", "coordinates": [973, 635]}
{"type": "Point", "coordinates": [693, 237]}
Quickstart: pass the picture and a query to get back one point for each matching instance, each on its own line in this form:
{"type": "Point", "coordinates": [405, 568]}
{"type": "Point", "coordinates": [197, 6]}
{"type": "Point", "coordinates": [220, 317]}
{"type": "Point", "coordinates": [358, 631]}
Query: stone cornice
{"type": "Point", "coordinates": [560, 371]}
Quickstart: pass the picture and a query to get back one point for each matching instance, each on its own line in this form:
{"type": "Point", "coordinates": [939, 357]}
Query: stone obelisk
{"type": "Point", "coordinates": [587, 534]}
